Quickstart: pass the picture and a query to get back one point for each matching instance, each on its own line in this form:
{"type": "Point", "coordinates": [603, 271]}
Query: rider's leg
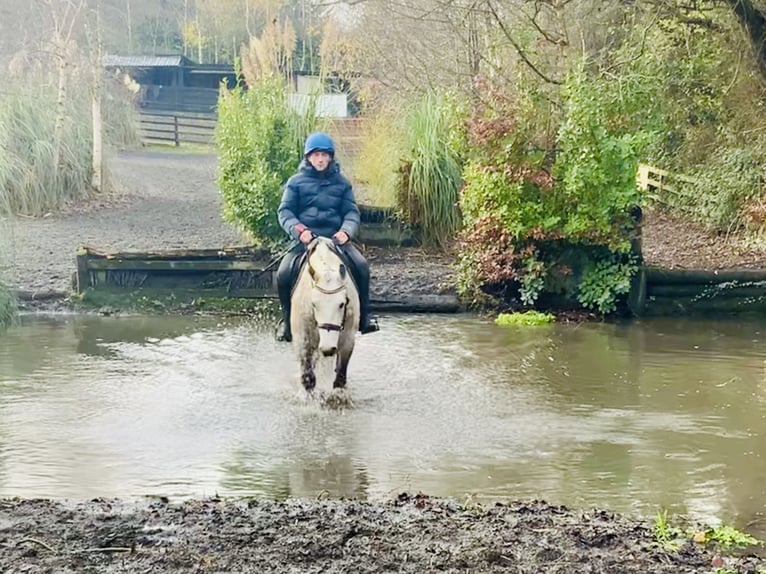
{"type": "Point", "coordinates": [361, 271]}
{"type": "Point", "coordinates": [285, 281]}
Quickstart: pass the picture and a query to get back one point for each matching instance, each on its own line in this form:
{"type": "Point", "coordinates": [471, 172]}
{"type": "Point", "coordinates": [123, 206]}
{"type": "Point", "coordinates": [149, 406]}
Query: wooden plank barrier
{"type": "Point", "coordinates": [225, 272]}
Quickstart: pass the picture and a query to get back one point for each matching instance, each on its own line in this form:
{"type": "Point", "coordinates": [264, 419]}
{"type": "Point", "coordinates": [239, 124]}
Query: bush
{"type": "Point", "coordinates": [551, 219]}
{"type": "Point", "coordinates": [260, 141]}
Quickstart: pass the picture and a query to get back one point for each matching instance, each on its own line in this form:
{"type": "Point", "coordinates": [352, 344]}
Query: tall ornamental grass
{"type": "Point", "coordinates": [375, 170]}
{"type": "Point", "coordinates": [431, 171]}
{"type": "Point", "coordinates": [8, 305]}
{"type": "Point", "coordinates": [30, 183]}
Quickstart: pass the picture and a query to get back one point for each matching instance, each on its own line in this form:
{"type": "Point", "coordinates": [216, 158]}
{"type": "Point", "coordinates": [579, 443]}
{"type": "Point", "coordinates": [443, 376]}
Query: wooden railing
{"type": "Point", "coordinates": [659, 182]}
{"type": "Point", "coordinates": [177, 127]}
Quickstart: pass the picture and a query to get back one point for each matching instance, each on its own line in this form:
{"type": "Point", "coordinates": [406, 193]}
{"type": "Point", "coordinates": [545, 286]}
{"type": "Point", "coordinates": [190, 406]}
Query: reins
{"type": "Point", "coordinates": [338, 289]}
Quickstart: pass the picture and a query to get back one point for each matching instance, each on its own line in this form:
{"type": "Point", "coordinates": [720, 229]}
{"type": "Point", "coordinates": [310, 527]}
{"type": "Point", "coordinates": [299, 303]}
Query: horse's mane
{"type": "Point", "coordinates": [324, 257]}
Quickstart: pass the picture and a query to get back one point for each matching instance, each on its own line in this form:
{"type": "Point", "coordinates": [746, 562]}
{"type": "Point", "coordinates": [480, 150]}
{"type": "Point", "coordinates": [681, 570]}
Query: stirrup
{"type": "Point", "coordinates": [282, 332]}
{"type": "Point", "coordinates": [370, 326]}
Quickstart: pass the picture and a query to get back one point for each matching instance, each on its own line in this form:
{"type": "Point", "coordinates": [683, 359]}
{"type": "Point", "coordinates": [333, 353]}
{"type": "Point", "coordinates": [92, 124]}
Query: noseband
{"type": "Point", "coordinates": [331, 326]}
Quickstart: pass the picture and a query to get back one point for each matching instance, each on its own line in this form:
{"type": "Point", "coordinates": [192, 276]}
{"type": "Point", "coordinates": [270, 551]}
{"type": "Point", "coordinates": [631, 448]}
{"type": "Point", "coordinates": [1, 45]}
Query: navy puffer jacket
{"type": "Point", "coordinates": [323, 201]}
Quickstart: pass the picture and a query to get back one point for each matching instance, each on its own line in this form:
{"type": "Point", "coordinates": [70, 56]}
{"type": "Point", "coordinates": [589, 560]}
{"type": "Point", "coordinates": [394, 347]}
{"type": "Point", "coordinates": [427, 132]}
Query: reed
{"type": "Point", "coordinates": [375, 170]}
{"type": "Point", "coordinates": [30, 183]}
{"type": "Point", "coordinates": [431, 173]}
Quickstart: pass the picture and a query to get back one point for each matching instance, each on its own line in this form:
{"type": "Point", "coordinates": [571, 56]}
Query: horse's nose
{"type": "Point", "coordinates": [329, 352]}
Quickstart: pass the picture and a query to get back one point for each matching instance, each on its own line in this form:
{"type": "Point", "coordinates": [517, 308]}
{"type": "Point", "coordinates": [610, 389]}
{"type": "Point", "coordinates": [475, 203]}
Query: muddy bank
{"type": "Point", "coordinates": [410, 534]}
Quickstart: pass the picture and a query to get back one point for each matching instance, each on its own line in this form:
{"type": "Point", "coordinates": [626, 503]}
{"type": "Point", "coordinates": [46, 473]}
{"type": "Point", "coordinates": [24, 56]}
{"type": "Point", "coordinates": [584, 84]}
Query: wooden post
{"type": "Point", "coordinates": [176, 137]}
{"type": "Point", "coordinates": [83, 281]}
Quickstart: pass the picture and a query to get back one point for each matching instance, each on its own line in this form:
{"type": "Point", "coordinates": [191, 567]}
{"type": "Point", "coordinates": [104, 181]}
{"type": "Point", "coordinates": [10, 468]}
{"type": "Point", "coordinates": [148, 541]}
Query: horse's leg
{"type": "Point", "coordinates": [341, 366]}
{"type": "Point", "coordinates": [308, 377]}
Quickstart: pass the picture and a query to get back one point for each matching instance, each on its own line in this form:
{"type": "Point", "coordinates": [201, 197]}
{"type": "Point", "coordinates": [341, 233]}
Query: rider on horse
{"type": "Point", "coordinates": [318, 200]}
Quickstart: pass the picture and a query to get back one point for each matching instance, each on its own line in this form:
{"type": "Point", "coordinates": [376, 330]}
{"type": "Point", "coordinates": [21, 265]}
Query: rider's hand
{"type": "Point", "coordinates": [341, 237]}
{"type": "Point", "coordinates": [306, 236]}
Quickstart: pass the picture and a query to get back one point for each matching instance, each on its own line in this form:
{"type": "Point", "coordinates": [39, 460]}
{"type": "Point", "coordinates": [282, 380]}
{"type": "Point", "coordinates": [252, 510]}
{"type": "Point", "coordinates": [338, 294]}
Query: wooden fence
{"type": "Point", "coordinates": [176, 128]}
{"type": "Point", "coordinates": [659, 182]}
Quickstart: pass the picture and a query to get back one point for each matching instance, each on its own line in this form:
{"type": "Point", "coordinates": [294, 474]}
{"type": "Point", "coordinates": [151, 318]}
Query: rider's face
{"type": "Point", "coordinates": [319, 159]}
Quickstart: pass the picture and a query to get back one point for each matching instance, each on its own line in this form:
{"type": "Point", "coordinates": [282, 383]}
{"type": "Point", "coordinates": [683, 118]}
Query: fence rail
{"type": "Point", "coordinates": [176, 128]}
{"type": "Point", "coordinates": [659, 181]}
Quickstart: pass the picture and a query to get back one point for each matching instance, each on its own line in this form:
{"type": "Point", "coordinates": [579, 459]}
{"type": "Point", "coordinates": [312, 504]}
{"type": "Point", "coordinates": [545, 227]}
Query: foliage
{"type": "Point", "coordinates": [541, 219]}
{"type": "Point", "coordinates": [667, 536]}
{"type": "Point", "coordinates": [604, 280]}
{"type": "Point", "coordinates": [725, 191]}
{"type": "Point", "coordinates": [29, 182]}
{"type": "Point", "coordinates": [431, 171]}
{"type": "Point", "coordinates": [376, 167]}
{"type": "Point", "coordinates": [726, 538]}
{"type": "Point", "coordinates": [260, 141]}
{"type": "Point", "coordinates": [729, 538]}
{"type": "Point", "coordinates": [8, 305]}
{"type": "Point", "coordinates": [526, 318]}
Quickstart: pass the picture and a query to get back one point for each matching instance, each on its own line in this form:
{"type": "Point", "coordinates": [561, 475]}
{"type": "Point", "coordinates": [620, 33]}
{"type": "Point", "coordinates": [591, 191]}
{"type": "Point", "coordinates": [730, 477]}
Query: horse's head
{"type": "Point", "coordinates": [329, 297]}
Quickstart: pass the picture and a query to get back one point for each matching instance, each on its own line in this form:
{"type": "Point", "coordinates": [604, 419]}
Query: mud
{"type": "Point", "coordinates": [409, 534]}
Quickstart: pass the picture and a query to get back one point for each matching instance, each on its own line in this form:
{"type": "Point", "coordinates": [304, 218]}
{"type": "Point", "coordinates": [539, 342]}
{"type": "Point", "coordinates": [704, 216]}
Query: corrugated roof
{"type": "Point", "coordinates": [144, 61]}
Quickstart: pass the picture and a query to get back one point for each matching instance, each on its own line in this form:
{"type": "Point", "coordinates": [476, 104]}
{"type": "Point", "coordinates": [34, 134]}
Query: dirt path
{"type": "Point", "coordinates": [165, 200]}
{"type": "Point", "coordinates": [168, 200]}
{"type": "Point", "coordinates": [414, 534]}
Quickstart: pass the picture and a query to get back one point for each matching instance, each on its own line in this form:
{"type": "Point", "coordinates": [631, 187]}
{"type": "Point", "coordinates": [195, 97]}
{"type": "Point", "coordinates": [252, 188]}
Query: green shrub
{"type": "Point", "coordinates": [260, 142]}
{"type": "Point", "coordinates": [551, 219]}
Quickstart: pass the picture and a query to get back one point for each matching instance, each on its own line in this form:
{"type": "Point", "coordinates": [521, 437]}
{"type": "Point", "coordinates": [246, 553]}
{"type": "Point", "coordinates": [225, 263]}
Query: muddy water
{"type": "Point", "coordinates": [633, 417]}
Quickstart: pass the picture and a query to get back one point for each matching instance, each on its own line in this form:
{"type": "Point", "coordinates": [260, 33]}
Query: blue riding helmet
{"type": "Point", "coordinates": [319, 141]}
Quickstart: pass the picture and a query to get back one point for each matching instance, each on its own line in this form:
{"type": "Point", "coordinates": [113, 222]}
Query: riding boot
{"type": "Point", "coordinates": [285, 277]}
{"type": "Point", "coordinates": [367, 323]}
{"type": "Point", "coordinates": [283, 328]}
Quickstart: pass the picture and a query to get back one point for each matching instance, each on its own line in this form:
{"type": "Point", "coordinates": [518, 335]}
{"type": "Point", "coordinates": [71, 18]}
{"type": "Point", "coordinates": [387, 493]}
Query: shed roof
{"type": "Point", "coordinates": [113, 61]}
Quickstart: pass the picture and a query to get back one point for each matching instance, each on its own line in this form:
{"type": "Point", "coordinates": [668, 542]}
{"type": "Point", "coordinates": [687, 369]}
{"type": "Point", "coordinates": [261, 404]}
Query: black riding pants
{"type": "Point", "coordinates": [287, 274]}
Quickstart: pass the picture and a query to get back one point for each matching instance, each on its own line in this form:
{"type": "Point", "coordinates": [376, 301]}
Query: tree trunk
{"type": "Point", "coordinates": [754, 22]}
{"type": "Point", "coordinates": [61, 94]}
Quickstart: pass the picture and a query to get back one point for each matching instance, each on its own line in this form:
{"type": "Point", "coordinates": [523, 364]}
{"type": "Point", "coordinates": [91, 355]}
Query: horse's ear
{"type": "Point", "coordinates": [342, 271]}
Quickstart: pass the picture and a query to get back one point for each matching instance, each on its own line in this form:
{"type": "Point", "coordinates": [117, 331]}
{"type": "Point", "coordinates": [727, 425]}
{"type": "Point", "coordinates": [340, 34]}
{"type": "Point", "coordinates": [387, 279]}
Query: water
{"type": "Point", "coordinates": [635, 417]}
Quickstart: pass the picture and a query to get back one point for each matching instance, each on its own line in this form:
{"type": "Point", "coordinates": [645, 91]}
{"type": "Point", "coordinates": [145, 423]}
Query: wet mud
{"type": "Point", "coordinates": [408, 534]}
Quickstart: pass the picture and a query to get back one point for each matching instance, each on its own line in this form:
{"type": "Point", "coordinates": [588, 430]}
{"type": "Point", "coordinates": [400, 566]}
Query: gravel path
{"type": "Point", "coordinates": [164, 200]}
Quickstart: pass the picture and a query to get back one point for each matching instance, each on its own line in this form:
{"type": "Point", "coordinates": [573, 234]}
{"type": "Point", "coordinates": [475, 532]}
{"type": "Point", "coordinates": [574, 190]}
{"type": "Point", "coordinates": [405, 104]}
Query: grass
{"type": "Point", "coordinates": [726, 538]}
{"type": "Point", "coordinates": [431, 175]}
{"type": "Point", "coordinates": [30, 183]}
{"type": "Point", "coordinates": [178, 302]}
{"type": "Point", "coordinates": [375, 169]}
{"type": "Point", "coordinates": [8, 305]}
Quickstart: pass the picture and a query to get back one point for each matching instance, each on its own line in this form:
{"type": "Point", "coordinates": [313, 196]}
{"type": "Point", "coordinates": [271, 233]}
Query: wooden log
{"type": "Point", "coordinates": [695, 290]}
{"type": "Point", "coordinates": [418, 304]}
{"type": "Point", "coordinates": [689, 306]}
{"type": "Point", "coordinates": [198, 265]}
{"type": "Point", "coordinates": [656, 275]}
{"type": "Point", "coordinates": [244, 252]}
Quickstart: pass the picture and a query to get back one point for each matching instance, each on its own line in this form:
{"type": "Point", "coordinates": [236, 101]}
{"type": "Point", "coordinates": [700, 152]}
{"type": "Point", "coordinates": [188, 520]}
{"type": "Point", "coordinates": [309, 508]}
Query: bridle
{"type": "Point", "coordinates": [338, 289]}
